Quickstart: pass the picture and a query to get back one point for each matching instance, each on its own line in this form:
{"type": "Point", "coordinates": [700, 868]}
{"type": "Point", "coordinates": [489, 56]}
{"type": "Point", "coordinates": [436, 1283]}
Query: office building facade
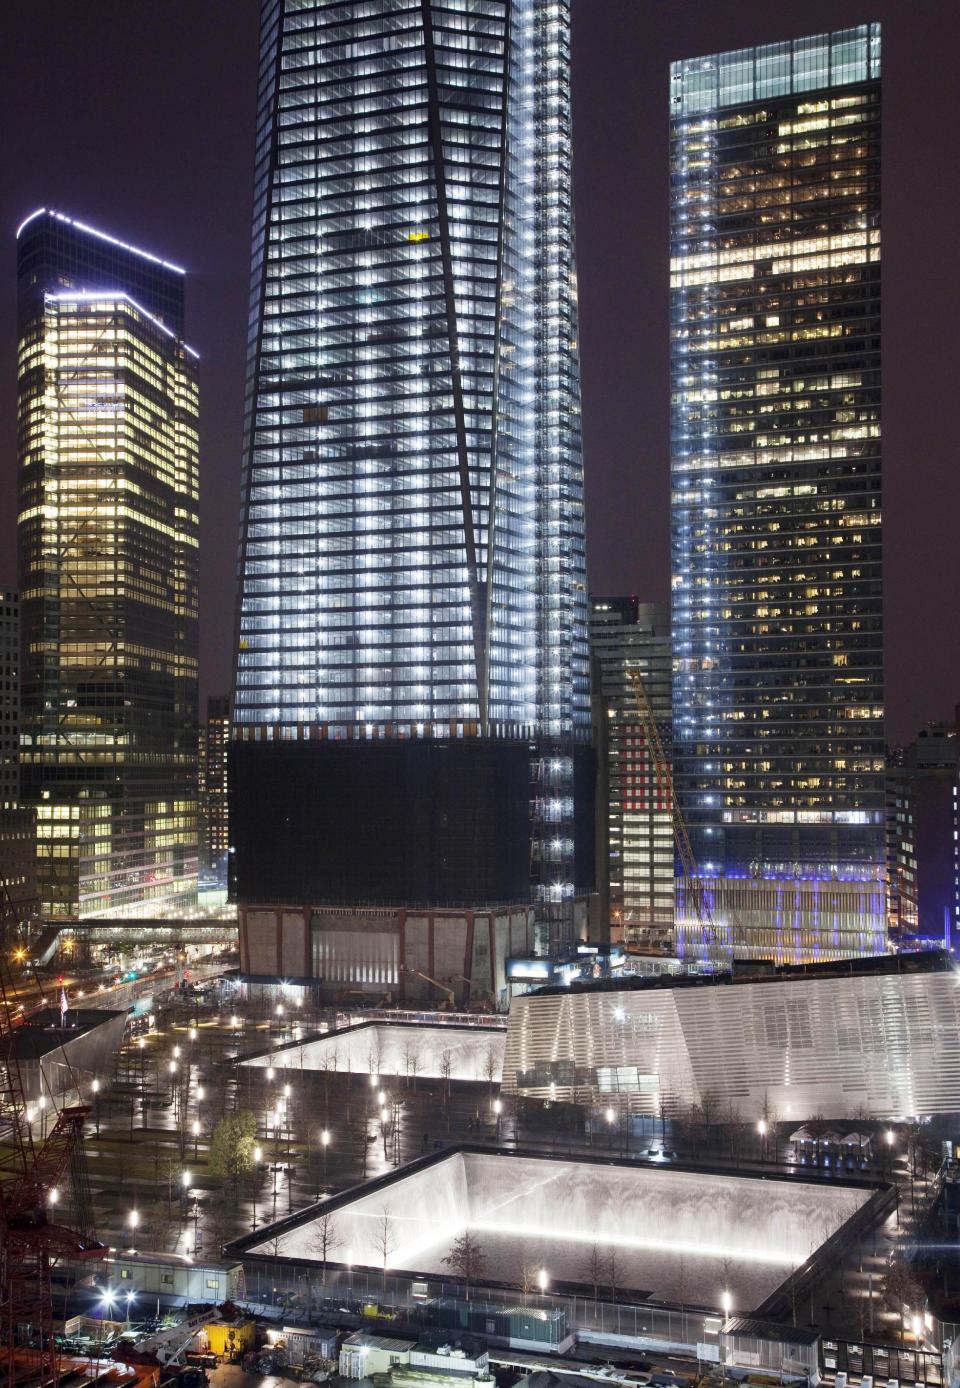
{"type": "Point", "coordinates": [214, 801]}
{"type": "Point", "coordinates": [412, 611]}
{"type": "Point", "coordinates": [17, 823]}
{"type": "Point", "coordinates": [921, 844]}
{"type": "Point", "coordinates": [108, 562]}
{"type": "Point", "coordinates": [777, 602]}
{"type": "Point", "coordinates": [635, 856]}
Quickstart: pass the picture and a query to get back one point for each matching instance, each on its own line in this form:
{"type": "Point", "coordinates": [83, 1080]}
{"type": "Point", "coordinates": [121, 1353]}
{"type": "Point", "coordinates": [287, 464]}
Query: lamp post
{"type": "Point", "coordinates": [196, 1136]}
{"type": "Point", "coordinates": [324, 1144]}
{"type": "Point", "coordinates": [133, 1219]}
{"type": "Point", "coordinates": [609, 1116]}
{"type": "Point", "coordinates": [96, 1104]}
{"type": "Point", "coordinates": [497, 1110]}
{"type": "Point", "coordinates": [257, 1159]}
{"type": "Point", "coordinates": [726, 1301]}
{"type": "Point", "coordinates": [762, 1130]}
{"type": "Point", "coordinates": [543, 1281]}
{"type": "Point", "coordinates": [141, 1044]}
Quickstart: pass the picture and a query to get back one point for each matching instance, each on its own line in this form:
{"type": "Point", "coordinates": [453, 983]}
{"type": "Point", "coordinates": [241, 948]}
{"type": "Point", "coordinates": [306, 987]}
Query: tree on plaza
{"type": "Point", "coordinates": [383, 1239]}
{"type": "Point", "coordinates": [902, 1291]}
{"type": "Point", "coordinates": [613, 1259]}
{"type": "Point", "coordinates": [817, 1126]}
{"type": "Point", "coordinates": [527, 1278]}
{"type": "Point", "coordinates": [231, 1146]}
{"type": "Point", "coordinates": [491, 1068]}
{"type": "Point", "coordinates": [219, 1221]}
{"type": "Point", "coordinates": [592, 1270]}
{"type": "Point", "coordinates": [466, 1259]}
{"type": "Point", "coordinates": [325, 1241]}
{"type": "Point", "coordinates": [446, 1069]}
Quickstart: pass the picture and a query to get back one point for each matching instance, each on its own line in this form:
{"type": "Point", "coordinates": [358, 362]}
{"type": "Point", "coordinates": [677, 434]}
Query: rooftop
{"type": "Point", "coordinates": [760, 971]}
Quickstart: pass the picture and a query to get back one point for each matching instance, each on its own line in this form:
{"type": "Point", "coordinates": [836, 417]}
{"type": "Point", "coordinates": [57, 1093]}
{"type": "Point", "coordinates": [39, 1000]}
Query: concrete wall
{"type": "Point", "coordinates": [413, 955]}
{"type": "Point", "coordinates": [385, 1048]}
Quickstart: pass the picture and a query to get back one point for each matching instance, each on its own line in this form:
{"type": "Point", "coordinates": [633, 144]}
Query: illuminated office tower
{"type": "Point", "coordinates": [777, 601]}
{"type": "Point", "coordinates": [108, 561]}
{"type": "Point", "coordinates": [635, 828]}
{"type": "Point", "coordinates": [17, 822]}
{"type": "Point", "coordinates": [214, 810]}
{"type": "Point", "coordinates": [412, 675]}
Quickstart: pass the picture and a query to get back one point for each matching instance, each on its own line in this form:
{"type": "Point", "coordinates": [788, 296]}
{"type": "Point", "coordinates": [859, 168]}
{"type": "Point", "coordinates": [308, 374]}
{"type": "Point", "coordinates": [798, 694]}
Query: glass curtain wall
{"type": "Point", "coordinates": [412, 549]}
{"type": "Point", "coordinates": [777, 601]}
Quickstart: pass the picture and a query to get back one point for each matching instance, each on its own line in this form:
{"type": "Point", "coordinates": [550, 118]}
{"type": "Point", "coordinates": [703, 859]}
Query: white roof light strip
{"type": "Point", "coordinates": [107, 295]}
{"type": "Point", "coordinates": [102, 235]}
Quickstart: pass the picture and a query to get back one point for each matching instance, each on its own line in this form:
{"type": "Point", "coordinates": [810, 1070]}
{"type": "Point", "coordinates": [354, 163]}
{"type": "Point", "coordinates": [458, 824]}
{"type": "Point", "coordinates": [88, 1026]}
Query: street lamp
{"type": "Point", "coordinates": [53, 1195]}
{"type": "Point", "coordinates": [609, 1115]}
{"type": "Point", "coordinates": [497, 1110]}
{"type": "Point", "coordinates": [133, 1219]}
{"type": "Point", "coordinates": [726, 1301]}
{"type": "Point", "coordinates": [543, 1280]}
{"type": "Point", "coordinates": [762, 1130]}
{"type": "Point", "coordinates": [131, 1298]}
{"type": "Point", "coordinates": [257, 1159]}
{"type": "Point", "coordinates": [196, 1136]}
{"type": "Point", "coordinates": [96, 1103]}
{"type": "Point", "coordinates": [325, 1143]}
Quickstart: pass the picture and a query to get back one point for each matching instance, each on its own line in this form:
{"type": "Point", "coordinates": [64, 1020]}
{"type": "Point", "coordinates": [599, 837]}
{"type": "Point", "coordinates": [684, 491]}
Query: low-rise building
{"type": "Point", "coordinates": [362, 1354]}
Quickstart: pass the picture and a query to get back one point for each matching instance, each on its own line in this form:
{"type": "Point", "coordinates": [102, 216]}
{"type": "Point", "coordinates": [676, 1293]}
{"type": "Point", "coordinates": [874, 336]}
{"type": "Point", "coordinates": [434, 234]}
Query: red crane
{"type": "Point", "coordinates": [32, 1171]}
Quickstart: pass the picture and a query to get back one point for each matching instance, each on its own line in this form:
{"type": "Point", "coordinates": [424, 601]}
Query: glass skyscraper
{"type": "Point", "coordinates": [777, 599]}
{"type": "Point", "coordinates": [635, 843]}
{"type": "Point", "coordinates": [412, 614]}
{"type": "Point", "coordinates": [108, 562]}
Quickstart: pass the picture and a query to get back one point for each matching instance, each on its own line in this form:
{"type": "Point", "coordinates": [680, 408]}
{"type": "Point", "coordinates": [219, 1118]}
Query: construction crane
{"type": "Point", "coordinates": [694, 891]}
{"type": "Point", "coordinates": [444, 987]}
{"type": "Point", "coordinates": [32, 1172]}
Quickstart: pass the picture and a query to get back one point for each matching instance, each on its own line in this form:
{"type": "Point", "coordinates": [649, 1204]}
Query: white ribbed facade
{"type": "Point", "coordinates": [862, 1045]}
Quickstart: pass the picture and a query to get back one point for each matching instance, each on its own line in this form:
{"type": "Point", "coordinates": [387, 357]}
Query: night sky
{"type": "Point", "coordinates": [137, 116]}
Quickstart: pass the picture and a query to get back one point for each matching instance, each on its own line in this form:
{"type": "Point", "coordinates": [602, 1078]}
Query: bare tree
{"type": "Point", "coordinates": [383, 1239]}
{"type": "Point", "coordinates": [816, 1127]}
{"type": "Point", "coordinates": [466, 1259]}
{"type": "Point", "coordinates": [592, 1270]}
{"type": "Point", "coordinates": [326, 1240]}
{"type": "Point", "coordinates": [446, 1068]}
{"type": "Point", "coordinates": [527, 1278]}
{"type": "Point", "coordinates": [613, 1259]}
{"type": "Point", "coordinates": [902, 1290]}
{"type": "Point", "coordinates": [411, 1059]}
{"type": "Point", "coordinates": [490, 1068]}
